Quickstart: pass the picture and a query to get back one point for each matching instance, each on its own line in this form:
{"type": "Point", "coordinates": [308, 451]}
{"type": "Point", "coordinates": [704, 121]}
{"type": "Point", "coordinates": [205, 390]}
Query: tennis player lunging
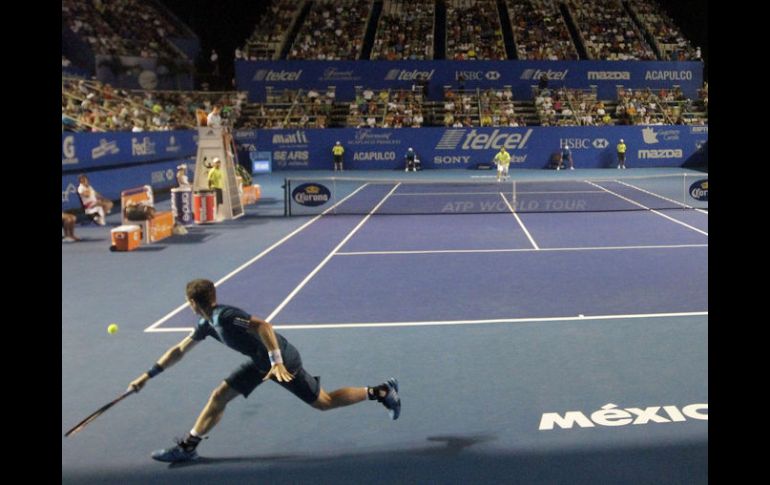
{"type": "Point", "coordinates": [271, 356]}
{"type": "Point", "coordinates": [503, 161]}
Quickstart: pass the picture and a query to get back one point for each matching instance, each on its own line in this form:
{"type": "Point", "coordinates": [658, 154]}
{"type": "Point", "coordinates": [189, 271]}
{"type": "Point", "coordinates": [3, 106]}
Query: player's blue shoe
{"type": "Point", "coordinates": [175, 454]}
{"type": "Point", "coordinates": [391, 400]}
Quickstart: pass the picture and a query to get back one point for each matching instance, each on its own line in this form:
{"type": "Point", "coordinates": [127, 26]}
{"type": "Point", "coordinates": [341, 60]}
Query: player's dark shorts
{"type": "Point", "coordinates": [337, 158]}
{"type": "Point", "coordinates": [248, 376]}
{"type": "Point", "coordinates": [220, 198]}
{"type": "Point", "coordinates": [622, 156]}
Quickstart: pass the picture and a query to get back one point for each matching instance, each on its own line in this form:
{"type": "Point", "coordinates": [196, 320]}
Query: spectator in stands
{"type": "Point", "coordinates": [543, 82]}
{"type": "Point", "coordinates": [68, 225]}
{"type": "Point", "coordinates": [337, 152]}
{"type": "Point", "coordinates": [621, 148]}
{"type": "Point", "coordinates": [93, 202]}
{"type": "Point", "coordinates": [214, 63]}
{"type": "Point", "coordinates": [214, 119]}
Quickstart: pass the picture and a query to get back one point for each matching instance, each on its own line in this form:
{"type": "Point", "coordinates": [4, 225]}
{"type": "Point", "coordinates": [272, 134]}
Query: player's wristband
{"type": "Point", "coordinates": [155, 370]}
{"type": "Point", "coordinates": [275, 357]}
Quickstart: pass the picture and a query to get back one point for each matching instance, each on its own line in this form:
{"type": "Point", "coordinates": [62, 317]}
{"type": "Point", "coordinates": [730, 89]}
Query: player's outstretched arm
{"type": "Point", "coordinates": [265, 332]}
{"type": "Point", "coordinates": [171, 357]}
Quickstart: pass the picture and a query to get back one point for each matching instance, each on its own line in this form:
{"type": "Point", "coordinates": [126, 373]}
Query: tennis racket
{"type": "Point", "coordinates": [78, 427]}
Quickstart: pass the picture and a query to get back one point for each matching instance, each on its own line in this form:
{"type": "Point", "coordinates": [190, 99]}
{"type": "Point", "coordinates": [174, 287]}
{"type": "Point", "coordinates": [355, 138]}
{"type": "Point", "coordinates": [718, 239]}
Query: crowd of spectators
{"type": "Point", "coordinates": [121, 27]}
{"type": "Point", "coordinates": [290, 109]}
{"type": "Point", "coordinates": [271, 32]}
{"type": "Point", "coordinates": [554, 108]}
{"type": "Point", "coordinates": [473, 31]}
{"type": "Point", "coordinates": [386, 109]}
{"type": "Point", "coordinates": [404, 31]}
{"type": "Point", "coordinates": [576, 107]}
{"type": "Point", "coordinates": [671, 106]}
{"type": "Point", "coordinates": [608, 32]}
{"type": "Point", "coordinates": [539, 31]}
{"type": "Point", "coordinates": [91, 106]}
{"type": "Point", "coordinates": [672, 45]}
{"type": "Point", "coordinates": [333, 30]}
{"type": "Point", "coordinates": [480, 107]}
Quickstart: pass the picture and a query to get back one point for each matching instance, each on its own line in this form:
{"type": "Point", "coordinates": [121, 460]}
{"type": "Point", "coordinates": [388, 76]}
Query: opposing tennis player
{"type": "Point", "coordinates": [271, 357]}
{"type": "Point", "coordinates": [503, 161]}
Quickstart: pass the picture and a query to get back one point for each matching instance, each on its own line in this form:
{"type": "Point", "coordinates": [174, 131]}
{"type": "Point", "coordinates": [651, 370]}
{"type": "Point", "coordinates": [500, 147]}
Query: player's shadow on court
{"type": "Point", "coordinates": [452, 445]}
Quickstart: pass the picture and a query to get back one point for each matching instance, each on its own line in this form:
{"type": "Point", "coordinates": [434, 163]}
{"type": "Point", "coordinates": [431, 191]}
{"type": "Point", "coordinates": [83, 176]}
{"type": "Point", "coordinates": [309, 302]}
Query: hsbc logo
{"type": "Point", "coordinates": [477, 75]}
{"type": "Point", "coordinates": [270, 75]}
{"type": "Point", "coordinates": [609, 75]}
{"type": "Point", "coordinates": [583, 143]}
{"type": "Point", "coordinates": [551, 75]}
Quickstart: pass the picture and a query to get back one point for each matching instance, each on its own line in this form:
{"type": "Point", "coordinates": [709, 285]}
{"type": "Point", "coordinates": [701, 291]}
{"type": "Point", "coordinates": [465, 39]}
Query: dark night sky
{"type": "Point", "coordinates": [225, 24]}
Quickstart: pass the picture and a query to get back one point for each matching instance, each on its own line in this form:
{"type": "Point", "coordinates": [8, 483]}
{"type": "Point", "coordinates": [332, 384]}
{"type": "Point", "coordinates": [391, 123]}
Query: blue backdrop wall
{"type": "Point", "coordinates": [117, 161]}
{"type": "Point", "coordinates": [256, 76]}
{"type": "Point", "coordinates": [530, 147]}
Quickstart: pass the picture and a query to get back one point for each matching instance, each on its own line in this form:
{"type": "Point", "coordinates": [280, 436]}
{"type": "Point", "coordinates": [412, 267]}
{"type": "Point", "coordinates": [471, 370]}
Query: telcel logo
{"type": "Point", "coordinates": [551, 75]}
{"type": "Point", "coordinates": [480, 141]}
{"type": "Point", "coordinates": [270, 75]}
{"type": "Point", "coordinates": [407, 75]}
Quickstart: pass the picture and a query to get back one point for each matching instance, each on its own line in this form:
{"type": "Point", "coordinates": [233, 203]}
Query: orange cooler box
{"type": "Point", "coordinates": [204, 207]}
{"type": "Point", "coordinates": [126, 238]}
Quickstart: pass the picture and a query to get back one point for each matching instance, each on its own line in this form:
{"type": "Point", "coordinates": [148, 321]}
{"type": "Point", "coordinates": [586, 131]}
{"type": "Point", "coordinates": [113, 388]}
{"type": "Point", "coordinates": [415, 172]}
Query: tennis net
{"type": "Point", "coordinates": [353, 196]}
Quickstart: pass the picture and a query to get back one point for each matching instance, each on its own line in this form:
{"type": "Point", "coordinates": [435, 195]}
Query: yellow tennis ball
{"type": "Point", "coordinates": [113, 328]}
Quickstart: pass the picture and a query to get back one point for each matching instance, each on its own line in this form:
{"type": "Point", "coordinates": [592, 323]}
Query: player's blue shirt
{"type": "Point", "coordinates": [410, 155]}
{"type": "Point", "coordinates": [230, 326]}
{"type": "Point", "coordinates": [565, 153]}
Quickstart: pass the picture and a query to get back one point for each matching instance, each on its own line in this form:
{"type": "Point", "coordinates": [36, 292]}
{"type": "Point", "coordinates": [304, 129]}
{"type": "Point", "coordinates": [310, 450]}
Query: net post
{"type": "Point", "coordinates": [287, 191]}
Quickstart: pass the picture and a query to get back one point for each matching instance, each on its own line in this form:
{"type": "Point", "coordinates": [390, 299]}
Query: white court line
{"type": "Point", "coordinates": [661, 197]}
{"type": "Point", "coordinates": [649, 209]}
{"type": "Point", "coordinates": [521, 250]}
{"type": "Point", "coordinates": [240, 268]}
{"type": "Point", "coordinates": [408, 194]}
{"type": "Point", "coordinates": [529, 236]}
{"type": "Point", "coordinates": [328, 257]}
{"type": "Point", "coordinates": [467, 322]}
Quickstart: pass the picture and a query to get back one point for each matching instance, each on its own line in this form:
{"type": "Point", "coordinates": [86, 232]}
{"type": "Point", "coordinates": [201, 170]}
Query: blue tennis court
{"type": "Point", "coordinates": [547, 331]}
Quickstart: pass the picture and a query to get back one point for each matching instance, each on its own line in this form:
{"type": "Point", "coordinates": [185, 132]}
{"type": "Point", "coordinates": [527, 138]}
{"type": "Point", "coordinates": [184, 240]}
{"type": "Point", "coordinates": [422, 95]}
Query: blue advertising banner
{"type": "Point", "coordinates": [110, 183]}
{"type": "Point", "coordinates": [256, 76]}
{"type": "Point", "coordinates": [441, 148]}
{"type": "Point", "coordinates": [89, 150]}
